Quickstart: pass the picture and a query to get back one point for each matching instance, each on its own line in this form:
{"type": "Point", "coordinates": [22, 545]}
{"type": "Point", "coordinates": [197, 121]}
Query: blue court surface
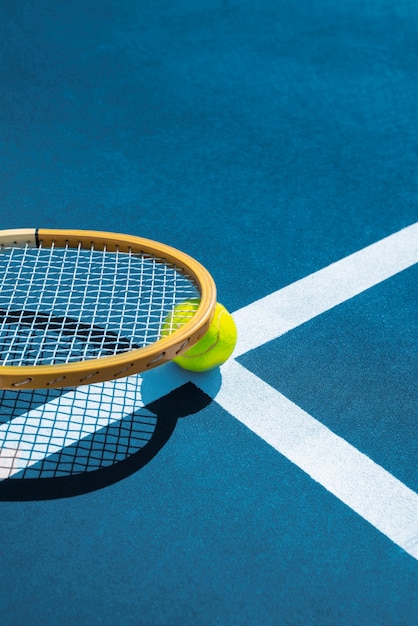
{"type": "Point", "coordinates": [277, 143]}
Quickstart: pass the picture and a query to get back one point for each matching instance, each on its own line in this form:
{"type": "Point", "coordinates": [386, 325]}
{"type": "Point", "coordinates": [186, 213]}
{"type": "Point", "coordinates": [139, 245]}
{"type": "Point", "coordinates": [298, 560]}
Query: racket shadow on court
{"type": "Point", "coordinates": [67, 442]}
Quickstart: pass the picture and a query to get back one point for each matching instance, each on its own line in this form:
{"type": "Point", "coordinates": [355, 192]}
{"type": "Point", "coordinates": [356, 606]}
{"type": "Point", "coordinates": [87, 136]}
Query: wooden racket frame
{"type": "Point", "coordinates": [127, 363]}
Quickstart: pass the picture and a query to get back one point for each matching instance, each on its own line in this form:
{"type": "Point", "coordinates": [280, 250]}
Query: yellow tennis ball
{"type": "Point", "coordinates": [215, 347]}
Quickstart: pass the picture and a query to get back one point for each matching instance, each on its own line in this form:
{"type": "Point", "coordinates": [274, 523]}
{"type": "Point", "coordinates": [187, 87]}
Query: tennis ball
{"type": "Point", "coordinates": [217, 344]}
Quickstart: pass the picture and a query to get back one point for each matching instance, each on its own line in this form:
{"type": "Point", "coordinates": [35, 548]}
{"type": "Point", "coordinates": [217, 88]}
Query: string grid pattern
{"type": "Point", "coordinates": [59, 305]}
{"type": "Point", "coordinates": [52, 433]}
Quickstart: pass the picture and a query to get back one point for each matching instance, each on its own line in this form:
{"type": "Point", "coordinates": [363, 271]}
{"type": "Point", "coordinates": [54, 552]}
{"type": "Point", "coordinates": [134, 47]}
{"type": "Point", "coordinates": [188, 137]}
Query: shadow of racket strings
{"type": "Point", "coordinates": [60, 443]}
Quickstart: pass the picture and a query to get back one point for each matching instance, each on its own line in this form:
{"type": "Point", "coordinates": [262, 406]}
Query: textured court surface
{"type": "Point", "coordinates": [277, 143]}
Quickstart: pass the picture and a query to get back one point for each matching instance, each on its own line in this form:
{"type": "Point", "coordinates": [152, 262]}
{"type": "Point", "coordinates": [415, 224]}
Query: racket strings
{"type": "Point", "coordinates": [59, 305]}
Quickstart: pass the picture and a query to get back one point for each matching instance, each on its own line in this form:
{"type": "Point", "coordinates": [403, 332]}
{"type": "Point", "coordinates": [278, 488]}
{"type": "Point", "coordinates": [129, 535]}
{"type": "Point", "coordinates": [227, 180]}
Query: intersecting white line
{"type": "Point", "coordinates": [343, 470]}
{"type": "Point", "coordinates": [363, 485]}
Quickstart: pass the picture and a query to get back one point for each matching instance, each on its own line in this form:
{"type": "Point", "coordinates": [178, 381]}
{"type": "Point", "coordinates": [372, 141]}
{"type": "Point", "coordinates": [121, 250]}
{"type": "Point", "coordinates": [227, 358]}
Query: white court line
{"type": "Point", "coordinates": [351, 476]}
{"type": "Point", "coordinates": [367, 488]}
{"type": "Point", "coordinates": [287, 308]}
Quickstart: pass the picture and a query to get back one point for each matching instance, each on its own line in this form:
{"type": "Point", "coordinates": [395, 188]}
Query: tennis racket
{"type": "Point", "coordinates": [82, 307]}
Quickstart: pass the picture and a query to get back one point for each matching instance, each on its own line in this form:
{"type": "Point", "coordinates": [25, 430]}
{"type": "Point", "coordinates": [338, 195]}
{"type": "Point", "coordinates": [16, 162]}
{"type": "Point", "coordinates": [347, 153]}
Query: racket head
{"type": "Point", "coordinates": [169, 268]}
